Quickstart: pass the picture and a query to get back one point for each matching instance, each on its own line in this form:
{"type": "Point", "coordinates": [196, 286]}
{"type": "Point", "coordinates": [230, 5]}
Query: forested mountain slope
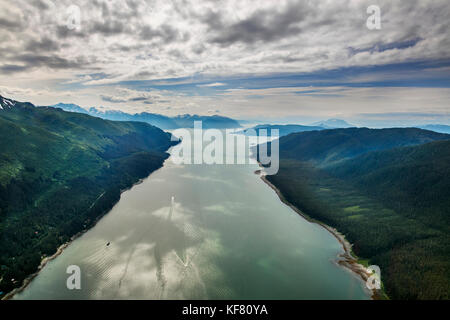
{"type": "Point", "coordinates": [59, 172]}
{"type": "Point", "coordinates": [326, 147]}
{"type": "Point", "coordinates": [391, 203]}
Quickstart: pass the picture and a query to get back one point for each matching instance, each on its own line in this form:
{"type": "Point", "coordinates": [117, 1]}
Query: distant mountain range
{"type": "Point", "coordinates": [333, 123]}
{"type": "Point", "coordinates": [436, 127]}
{"type": "Point", "coordinates": [387, 190]}
{"type": "Point", "coordinates": [283, 129]}
{"type": "Point", "coordinates": [158, 120]}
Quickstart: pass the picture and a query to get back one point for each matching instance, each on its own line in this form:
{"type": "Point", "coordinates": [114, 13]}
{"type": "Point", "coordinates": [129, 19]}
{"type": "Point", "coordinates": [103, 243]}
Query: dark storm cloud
{"type": "Point", "coordinates": [198, 48]}
{"type": "Point", "coordinates": [108, 28]}
{"type": "Point", "coordinates": [165, 32]}
{"type": "Point", "coordinates": [128, 96]}
{"type": "Point", "coordinates": [142, 74]}
{"type": "Point", "coordinates": [263, 25]}
{"type": "Point", "coordinates": [176, 54]}
{"type": "Point", "coordinates": [127, 48]}
{"type": "Point", "coordinates": [28, 61]}
{"type": "Point", "coordinates": [40, 4]}
{"type": "Point", "coordinates": [63, 32]}
{"type": "Point", "coordinates": [14, 24]}
{"type": "Point", "coordinates": [138, 99]}
{"type": "Point", "coordinates": [123, 99]}
{"type": "Point", "coordinates": [51, 61]}
{"type": "Point", "coordinates": [13, 68]}
{"type": "Point", "coordinates": [44, 44]}
{"type": "Point", "coordinates": [132, 12]}
{"type": "Point", "coordinates": [113, 99]}
{"type": "Point", "coordinates": [104, 28]}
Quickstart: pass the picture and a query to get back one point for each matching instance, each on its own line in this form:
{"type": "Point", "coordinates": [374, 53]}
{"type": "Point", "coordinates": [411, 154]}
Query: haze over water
{"type": "Point", "coordinates": [201, 232]}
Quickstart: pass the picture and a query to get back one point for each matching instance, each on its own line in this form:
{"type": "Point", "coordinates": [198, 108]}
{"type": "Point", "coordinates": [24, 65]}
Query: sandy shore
{"type": "Point", "coordinates": [345, 259]}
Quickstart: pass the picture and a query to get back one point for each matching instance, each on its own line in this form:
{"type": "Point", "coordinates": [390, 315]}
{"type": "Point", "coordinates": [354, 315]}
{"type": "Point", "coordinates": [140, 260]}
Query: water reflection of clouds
{"type": "Point", "coordinates": [228, 208]}
{"type": "Point", "coordinates": [139, 264]}
{"type": "Point", "coordinates": [166, 253]}
{"type": "Point", "coordinates": [206, 178]}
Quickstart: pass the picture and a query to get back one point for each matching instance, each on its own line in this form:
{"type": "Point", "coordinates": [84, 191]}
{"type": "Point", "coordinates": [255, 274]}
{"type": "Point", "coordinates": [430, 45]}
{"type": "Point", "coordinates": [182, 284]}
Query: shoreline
{"type": "Point", "coordinates": [41, 266]}
{"type": "Point", "coordinates": [61, 248]}
{"type": "Point", "coordinates": [346, 259]}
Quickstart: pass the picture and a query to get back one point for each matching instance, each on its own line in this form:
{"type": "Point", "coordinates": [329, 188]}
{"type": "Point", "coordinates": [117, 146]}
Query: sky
{"type": "Point", "coordinates": [282, 61]}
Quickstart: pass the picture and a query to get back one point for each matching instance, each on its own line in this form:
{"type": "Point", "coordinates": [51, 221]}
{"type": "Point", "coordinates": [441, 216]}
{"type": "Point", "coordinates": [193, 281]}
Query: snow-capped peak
{"type": "Point", "coordinates": [6, 103]}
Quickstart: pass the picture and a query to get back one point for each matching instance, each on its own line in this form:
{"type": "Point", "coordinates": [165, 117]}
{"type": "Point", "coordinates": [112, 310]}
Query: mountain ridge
{"type": "Point", "coordinates": [283, 129]}
{"type": "Point", "coordinates": [332, 145]}
{"type": "Point", "coordinates": [333, 124]}
{"type": "Point", "coordinates": [59, 172]}
{"type": "Point", "coordinates": [159, 120]}
{"type": "Point", "coordinates": [442, 128]}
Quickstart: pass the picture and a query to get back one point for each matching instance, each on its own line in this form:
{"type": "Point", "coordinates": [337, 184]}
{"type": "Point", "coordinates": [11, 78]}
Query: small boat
{"type": "Point", "coordinates": [108, 244]}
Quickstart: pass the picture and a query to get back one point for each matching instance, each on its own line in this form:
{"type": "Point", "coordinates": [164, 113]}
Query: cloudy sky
{"type": "Point", "coordinates": [290, 60]}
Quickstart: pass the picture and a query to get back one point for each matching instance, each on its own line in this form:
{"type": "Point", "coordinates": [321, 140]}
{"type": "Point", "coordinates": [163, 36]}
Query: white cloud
{"type": "Point", "coordinates": [131, 40]}
{"type": "Point", "coordinates": [215, 84]}
{"type": "Point", "coordinates": [163, 39]}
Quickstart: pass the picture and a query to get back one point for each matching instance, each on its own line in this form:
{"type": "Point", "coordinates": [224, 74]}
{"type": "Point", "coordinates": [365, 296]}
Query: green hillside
{"type": "Point", "coordinates": [417, 180]}
{"type": "Point", "coordinates": [59, 172]}
{"type": "Point", "coordinates": [393, 205]}
{"type": "Point", "coordinates": [329, 146]}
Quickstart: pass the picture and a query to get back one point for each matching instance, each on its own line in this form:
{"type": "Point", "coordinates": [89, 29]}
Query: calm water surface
{"type": "Point", "coordinates": [201, 232]}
